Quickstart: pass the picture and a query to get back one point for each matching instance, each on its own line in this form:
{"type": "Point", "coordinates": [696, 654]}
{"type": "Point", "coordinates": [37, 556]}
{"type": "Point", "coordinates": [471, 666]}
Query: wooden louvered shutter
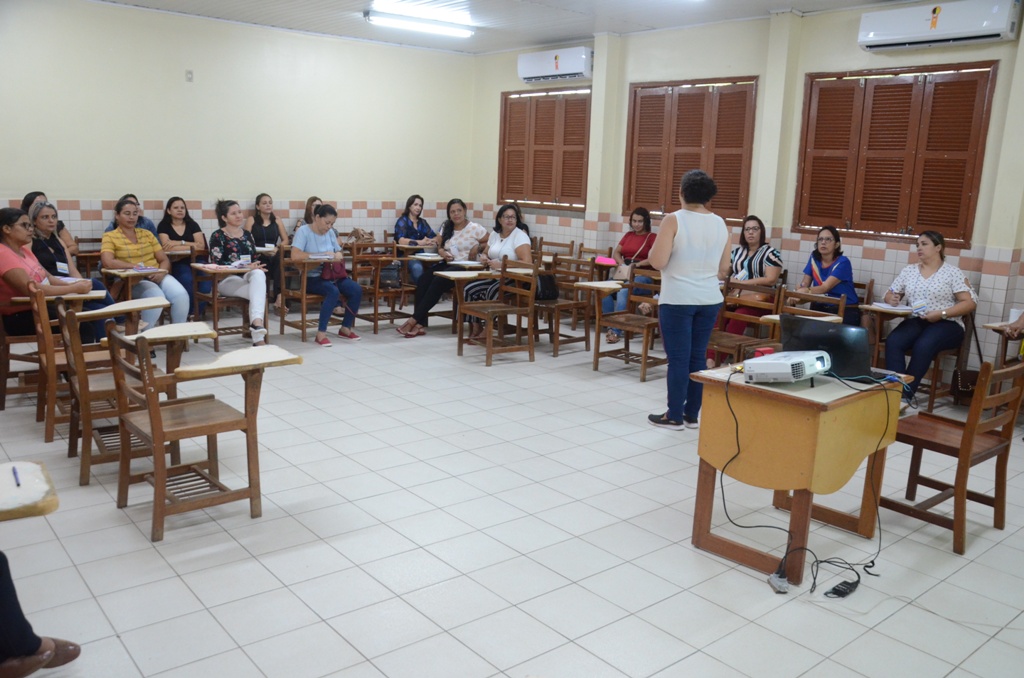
{"type": "Point", "coordinates": [514, 147]}
{"type": "Point", "coordinates": [830, 153]}
{"type": "Point", "coordinates": [574, 129]}
{"type": "Point", "coordinates": [949, 148]}
{"type": "Point", "coordinates": [541, 163]}
{"type": "Point", "coordinates": [729, 157]}
{"type": "Point", "coordinates": [649, 134]}
{"type": "Point", "coordinates": [892, 107]}
{"type": "Point", "coordinates": [691, 129]}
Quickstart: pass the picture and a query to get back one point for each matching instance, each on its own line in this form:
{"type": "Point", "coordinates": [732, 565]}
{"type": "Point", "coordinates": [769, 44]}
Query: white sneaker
{"type": "Point", "coordinates": [259, 334]}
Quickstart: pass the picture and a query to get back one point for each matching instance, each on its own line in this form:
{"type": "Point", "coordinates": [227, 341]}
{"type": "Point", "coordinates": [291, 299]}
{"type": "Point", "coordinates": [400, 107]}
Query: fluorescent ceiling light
{"type": "Point", "coordinates": [414, 24]}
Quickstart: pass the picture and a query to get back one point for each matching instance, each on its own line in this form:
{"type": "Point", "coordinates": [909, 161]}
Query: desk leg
{"type": "Point", "coordinates": [862, 523]}
{"type": "Point", "coordinates": [253, 382]}
{"type": "Point", "coordinates": [799, 526]}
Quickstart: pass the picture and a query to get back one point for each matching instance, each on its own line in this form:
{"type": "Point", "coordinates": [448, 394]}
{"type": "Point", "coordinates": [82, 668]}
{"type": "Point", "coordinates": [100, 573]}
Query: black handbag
{"type": "Point", "coordinates": [546, 290]}
{"type": "Point", "coordinates": [965, 380]}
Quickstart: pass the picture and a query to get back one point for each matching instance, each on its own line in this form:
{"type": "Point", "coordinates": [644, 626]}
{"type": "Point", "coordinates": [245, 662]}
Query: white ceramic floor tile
{"type": "Point", "coordinates": [527, 534]}
{"type": "Point", "coordinates": [303, 562]}
{"type": "Point", "coordinates": [753, 649]}
{"type": "Point", "coordinates": [508, 637]}
{"type": "Point", "coordinates": [567, 661]}
{"type": "Point", "coordinates": [410, 571]}
{"type": "Point", "coordinates": [635, 647]}
{"type": "Point", "coordinates": [575, 559]}
{"type": "Point", "coordinates": [573, 611]}
{"type": "Point", "coordinates": [519, 579]}
{"type": "Point", "coordinates": [383, 627]}
{"type": "Point", "coordinates": [471, 551]}
{"type": "Point", "coordinates": [175, 642]}
{"type": "Point", "coordinates": [224, 583]}
{"type": "Point", "coordinates": [455, 602]}
{"type": "Point", "coordinates": [440, 656]}
{"type": "Point", "coordinates": [148, 603]}
{"type": "Point", "coordinates": [264, 615]}
{"type": "Point", "coordinates": [630, 587]}
{"type": "Point", "coordinates": [304, 653]}
{"type": "Point", "coordinates": [341, 592]}
{"type": "Point", "coordinates": [232, 664]}
{"type": "Point", "coordinates": [875, 655]}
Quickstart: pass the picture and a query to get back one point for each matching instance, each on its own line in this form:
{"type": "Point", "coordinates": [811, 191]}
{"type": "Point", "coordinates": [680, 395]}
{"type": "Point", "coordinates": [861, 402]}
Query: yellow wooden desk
{"type": "Point", "coordinates": [793, 438]}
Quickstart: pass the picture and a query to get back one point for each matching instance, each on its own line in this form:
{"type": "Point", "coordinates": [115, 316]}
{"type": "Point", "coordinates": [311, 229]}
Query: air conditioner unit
{"type": "Point", "coordinates": [948, 23]}
{"type": "Point", "coordinates": [570, 63]}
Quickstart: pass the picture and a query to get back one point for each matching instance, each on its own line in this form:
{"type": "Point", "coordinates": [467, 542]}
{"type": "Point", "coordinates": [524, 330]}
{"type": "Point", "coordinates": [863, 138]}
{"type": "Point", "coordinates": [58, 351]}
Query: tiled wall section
{"type": "Point", "coordinates": [994, 271]}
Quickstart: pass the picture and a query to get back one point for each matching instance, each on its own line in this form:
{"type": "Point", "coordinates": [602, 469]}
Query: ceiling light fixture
{"type": "Point", "coordinates": [415, 24]}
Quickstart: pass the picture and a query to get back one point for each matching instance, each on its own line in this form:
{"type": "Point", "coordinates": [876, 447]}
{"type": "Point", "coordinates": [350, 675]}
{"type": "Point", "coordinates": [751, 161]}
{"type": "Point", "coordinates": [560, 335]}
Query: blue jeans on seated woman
{"type": "Point", "coordinates": [923, 340]}
{"type": "Point", "coordinates": [331, 290]}
{"type": "Point", "coordinates": [685, 332]}
{"type": "Point", "coordinates": [617, 301]}
{"type": "Point", "coordinates": [168, 288]}
{"type": "Point", "coordinates": [182, 272]}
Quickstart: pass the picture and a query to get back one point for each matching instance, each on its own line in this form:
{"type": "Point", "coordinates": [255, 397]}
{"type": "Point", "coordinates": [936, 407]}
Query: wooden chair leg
{"type": "Point", "coordinates": [597, 344]}
{"type": "Point", "coordinates": [999, 496]}
{"type": "Point", "coordinates": [914, 473]}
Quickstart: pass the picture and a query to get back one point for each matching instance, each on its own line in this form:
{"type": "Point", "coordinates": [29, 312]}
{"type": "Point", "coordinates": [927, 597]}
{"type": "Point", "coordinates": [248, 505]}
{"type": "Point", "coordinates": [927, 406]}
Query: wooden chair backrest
{"type": "Point", "coordinates": [518, 289]}
{"type": "Point", "coordinates": [366, 260]}
{"type": "Point", "coordinates": [78, 371]}
{"type": "Point", "coordinates": [88, 244]}
{"type": "Point", "coordinates": [554, 247]}
{"type": "Point", "coordinates": [761, 298]}
{"type": "Point", "coordinates": [793, 302]}
{"type": "Point", "coordinates": [134, 377]}
{"type": "Point", "coordinates": [48, 345]}
{"type": "Point", "coordinates": [585, 252]}
{"type": "Point", "coordinates": [866, 291]}
{"type": "Point", "coordinates": [568, 271]}
{"type": "Point", "coordinates": [640, 291]}
{"type": "Point", "coordinates": [995, 405]}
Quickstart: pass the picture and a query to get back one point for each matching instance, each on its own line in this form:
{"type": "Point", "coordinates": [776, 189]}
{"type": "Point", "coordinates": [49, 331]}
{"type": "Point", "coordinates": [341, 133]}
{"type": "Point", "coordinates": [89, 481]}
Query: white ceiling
{"type": "Point", "coordinates": [501, 25]}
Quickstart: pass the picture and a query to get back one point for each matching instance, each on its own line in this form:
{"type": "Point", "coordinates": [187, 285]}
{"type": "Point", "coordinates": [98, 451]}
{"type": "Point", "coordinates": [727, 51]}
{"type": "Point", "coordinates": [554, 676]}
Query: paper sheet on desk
{"type": "Point", "coordinates": [891, 307]}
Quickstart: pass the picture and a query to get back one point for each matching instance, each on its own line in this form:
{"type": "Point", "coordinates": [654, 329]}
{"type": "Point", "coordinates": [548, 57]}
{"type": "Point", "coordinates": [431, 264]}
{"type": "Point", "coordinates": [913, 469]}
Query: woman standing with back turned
{"type": "Point", "coordinates": [692, 253]}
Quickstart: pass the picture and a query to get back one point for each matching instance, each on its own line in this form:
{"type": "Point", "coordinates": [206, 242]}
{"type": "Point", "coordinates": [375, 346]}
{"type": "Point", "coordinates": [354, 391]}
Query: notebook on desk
{"type": "Point", "coordinates": [846, 345]}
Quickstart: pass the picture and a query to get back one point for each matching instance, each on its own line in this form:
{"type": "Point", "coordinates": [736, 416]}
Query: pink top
{"type": "Point", "coordinates": [10, 261]}
{"type": "Point", "coordinates": [636, 245]}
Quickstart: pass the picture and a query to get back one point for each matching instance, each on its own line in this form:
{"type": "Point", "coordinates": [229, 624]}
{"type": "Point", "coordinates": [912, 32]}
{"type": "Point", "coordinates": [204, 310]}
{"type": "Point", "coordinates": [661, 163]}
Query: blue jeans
{"type": "Point", "coordinates": [182, 272]}
{"type": "Point", "coordinates": [685, 331]}
{"type": "Point", "coordinates": [168, 288]}
{"type": "Point", "coordinates": [331, 290]}
{"type": "Point", "coordinates": [617, 301]}
{"type": "Point", "coordinates": [923, 340]}
{"type": "Point", "coordinates": [415, 270]}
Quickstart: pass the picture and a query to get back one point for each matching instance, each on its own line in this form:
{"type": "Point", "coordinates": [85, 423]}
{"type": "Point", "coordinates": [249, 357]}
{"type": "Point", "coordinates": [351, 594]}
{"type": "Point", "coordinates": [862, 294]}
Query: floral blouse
{"type": "Point", "coordinates": [225, 250]}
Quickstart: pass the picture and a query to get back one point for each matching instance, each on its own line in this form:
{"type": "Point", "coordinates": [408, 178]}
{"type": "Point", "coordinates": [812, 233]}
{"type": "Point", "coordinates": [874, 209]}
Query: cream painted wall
{"type": "Point", "coordinates": [107, 109]}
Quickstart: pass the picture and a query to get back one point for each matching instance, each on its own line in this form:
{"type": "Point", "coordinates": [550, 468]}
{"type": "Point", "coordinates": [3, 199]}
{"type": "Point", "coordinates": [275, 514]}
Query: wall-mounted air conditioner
{"type": "Point", "coordinates": [570, 63]}
{"type": "Point", "coordinates": [947, 23]}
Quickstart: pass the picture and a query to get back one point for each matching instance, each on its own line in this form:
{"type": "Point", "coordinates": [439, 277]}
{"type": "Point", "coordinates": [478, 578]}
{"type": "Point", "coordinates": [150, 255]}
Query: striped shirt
{"type": "Point", "coordinates": [754, 264]}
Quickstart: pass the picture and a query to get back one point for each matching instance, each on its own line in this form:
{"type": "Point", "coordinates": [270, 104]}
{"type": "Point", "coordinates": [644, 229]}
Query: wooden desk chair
{"type": "Point", "coordinates": [866, 291]}
{"type": "Point", "coordinates": [367, 260]}
{"type": "Point", "coordinates": [26, 371]}
{"type": "Point", "coordinates": [178, 487]}
{"type": "Point", "coordinates": [985, 435]}
{"type": "Point", "coordinates": [516, 293]}
{"type": "Point", "coordinates": [758, 300]}
{"type": "Point", "coordinates": [216, 304]}
{"type": "Point", "coordinates": [937, 387]}
{"type": "Point", "coordinates": [572, 300]}
{"type": "Point", "coordinates": [631, 322]}
{"type": "Point", "coordinates": [53, 402]}
{"type": "Point", "coordinates": [93, 400]}
{"type": "Point", "coordinates": [552, 247]}
{"type": "Point", "coordinates": [584, 252]}
{"type": "Point", "coordinates": [88, 258]}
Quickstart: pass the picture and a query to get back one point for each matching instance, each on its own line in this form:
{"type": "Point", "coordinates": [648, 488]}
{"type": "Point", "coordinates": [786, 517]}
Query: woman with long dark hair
{"type": "Point", "coordinates": [412, 229]}
{"type": "Point", "coordinates": [268, 231]}
{"type": "Point", "coordinates": [507, 240]}
{"type": "Point", "coordinates": [179, 232]}
{"type": "Point", "coordinates": [460, 240]}
{"type": "Point", "coordinates": [633, 249]}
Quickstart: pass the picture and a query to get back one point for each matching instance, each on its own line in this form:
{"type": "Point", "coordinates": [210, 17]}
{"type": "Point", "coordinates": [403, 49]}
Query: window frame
{"type": "Point", "coordinates": [670, 190]}
{"type": "Point", "coordinates": [530, 147]}
{"type": "Point", "coordinates": [858, 158]}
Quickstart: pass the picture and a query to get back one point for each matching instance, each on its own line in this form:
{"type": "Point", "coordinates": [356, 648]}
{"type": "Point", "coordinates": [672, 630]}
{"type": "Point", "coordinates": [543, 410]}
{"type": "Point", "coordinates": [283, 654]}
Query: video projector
{"type": "Point", "coordinates": [786, 367]}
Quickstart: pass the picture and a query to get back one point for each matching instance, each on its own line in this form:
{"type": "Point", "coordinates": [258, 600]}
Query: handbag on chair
{"type": "Point", "coordinates": [964, 380]}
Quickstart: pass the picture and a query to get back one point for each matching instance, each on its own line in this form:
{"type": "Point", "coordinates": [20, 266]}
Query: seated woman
{"type": "Point", "coordinates": [268, 231]}
{"type": "Point", "coordinates": [753, 261]}
{"type": "Point", "coordinates": [312, 202]}
{"type": "Point", "coordinates": [634, 249]}
{"type": "Point", "coordinates": [829, 272]}
{"type": "Point", "coordinates": [50, 252]}
{"type": "Point", "coordinates": [228, 246]}
{"type": "Point", "coordinates": [144, 221]}
{"type": "Point", "coordinates": [19, 267]}
{"type": "Point", "coordinates": [68, 240]}
{"type": "Point", "coordinates": [128, 247]}
{"type": "Point", "coordinates": [460, 240]}
{"type": "Point", "coordinates": [940, 295]}
{"type": "Point", "coordinates": [410, 229]}
{"type": "Point", "coordinates": [22, 652]}
{"type": "Point", "coordinates": [179, 232]}
{"type": "Point", "coordinates": [507, 240]}
{"type": "Point", "coordinates": [318, 238]}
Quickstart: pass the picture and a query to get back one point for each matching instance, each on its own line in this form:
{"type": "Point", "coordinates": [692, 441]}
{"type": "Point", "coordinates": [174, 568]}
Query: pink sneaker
{"type": "Point", "coordinates": [324, 341]}
{"type": "Point", "coordinates": [351, 336]}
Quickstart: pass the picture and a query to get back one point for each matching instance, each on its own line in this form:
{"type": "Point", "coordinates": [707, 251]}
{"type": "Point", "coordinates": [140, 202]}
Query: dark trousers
{"type": "Point", "coordinates": [923, 340]}
{"type": "Point", "coordinates": [181, 270]}
{"type": "Point", "coordinates": [429, 290]}
{"type": "Point", "coordinates": [273, 265]}
{"type": "Point", "coordinates": [685, 332]}
{"type": "Point", "coordinates": [16, 637]}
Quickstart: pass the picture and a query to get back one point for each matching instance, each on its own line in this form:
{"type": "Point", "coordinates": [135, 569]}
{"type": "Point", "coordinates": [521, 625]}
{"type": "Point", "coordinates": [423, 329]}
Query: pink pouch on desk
{"type": "Point", "coordinates": [607, 261]}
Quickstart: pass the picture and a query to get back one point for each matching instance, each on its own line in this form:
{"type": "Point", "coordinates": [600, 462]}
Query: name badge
{"type": "Point", "coordinates": [245, 258]}
{"type": "Point", "coordinates": [920, 308]}
{"type": "Point", "coordinates": [62, 268]}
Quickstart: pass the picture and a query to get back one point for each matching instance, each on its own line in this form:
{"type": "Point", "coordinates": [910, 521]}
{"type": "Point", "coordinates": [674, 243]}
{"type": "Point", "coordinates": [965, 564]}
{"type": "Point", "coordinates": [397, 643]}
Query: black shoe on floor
{"type": "Point", "coordinates": [662, 421]}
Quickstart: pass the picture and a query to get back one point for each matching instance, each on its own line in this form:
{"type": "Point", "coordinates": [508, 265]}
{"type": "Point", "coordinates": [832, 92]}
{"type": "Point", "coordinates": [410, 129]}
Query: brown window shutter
{"type": "Point", "coordinates": [692, 126]}
{"type": "Point", "coordinates": [945, 180]}
{"type": "Point", "coordinates": [544, 126]}
{"type": "Point", "coordinates": [892, 107]}
{"type": "Point", "coordinates": [649, 135]}
{"type": "Point", "coordinates": [515, 142]}
{"type": "Point", "coordinates": [573, 149]}
{"type": "Point", "coordinates": [830, 155]}
{"type": "Point", "coordinates": [729, 156]}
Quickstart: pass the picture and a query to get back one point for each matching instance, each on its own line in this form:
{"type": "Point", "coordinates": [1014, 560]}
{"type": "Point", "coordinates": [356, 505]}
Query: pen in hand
{"type": "Point", "coordinates": [17, 480]}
